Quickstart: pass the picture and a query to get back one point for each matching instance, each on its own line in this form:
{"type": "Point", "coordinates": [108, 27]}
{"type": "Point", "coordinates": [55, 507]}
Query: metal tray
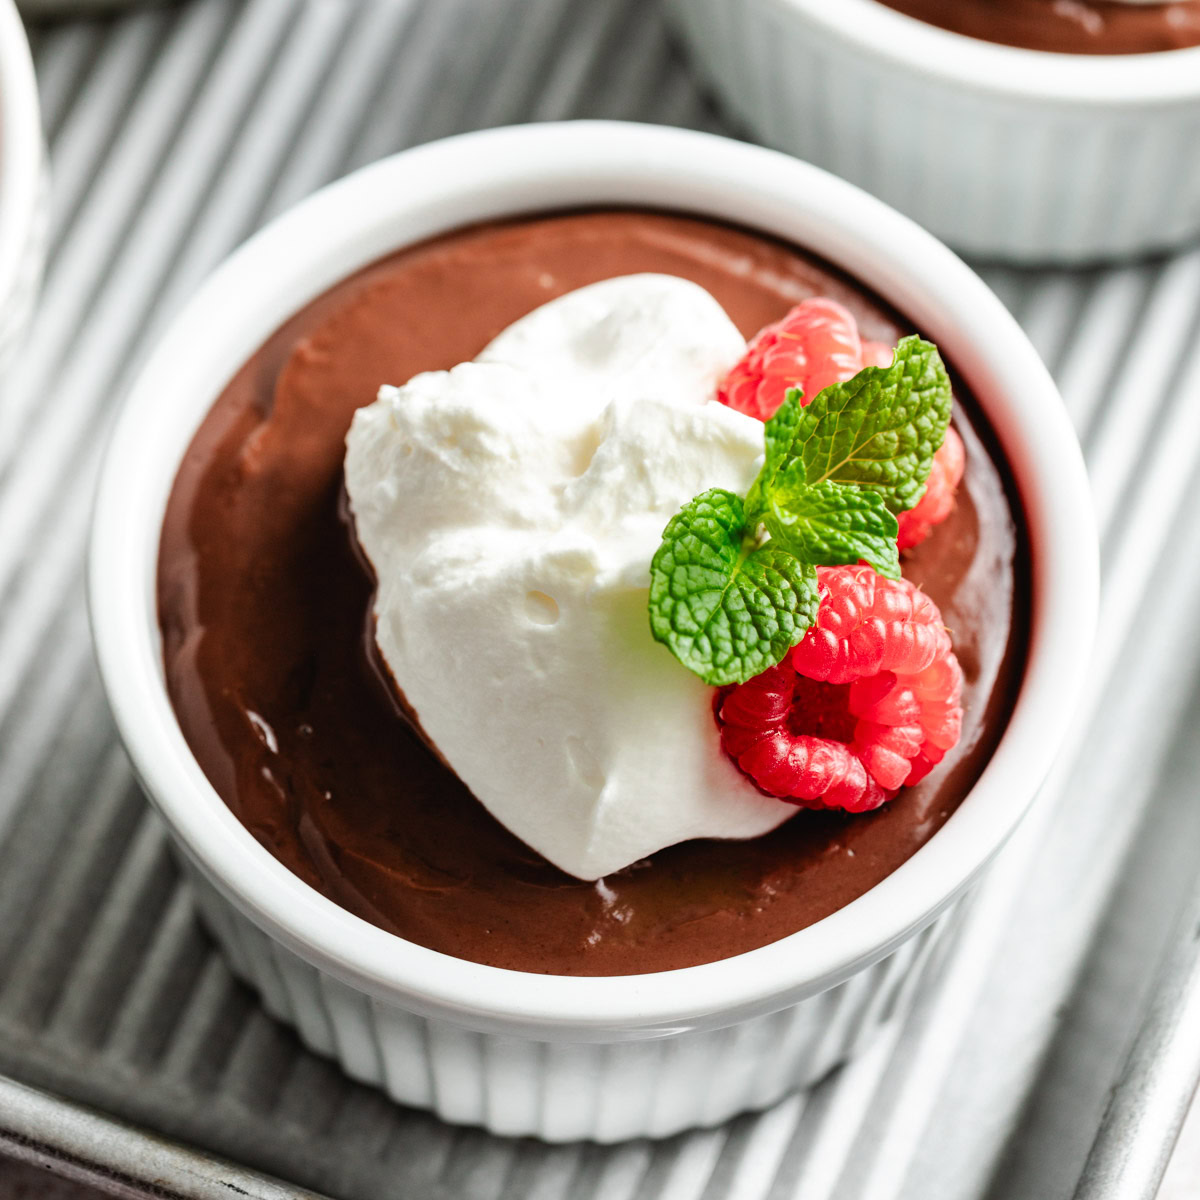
{"type": "Point", "coordinates": [174, 133]}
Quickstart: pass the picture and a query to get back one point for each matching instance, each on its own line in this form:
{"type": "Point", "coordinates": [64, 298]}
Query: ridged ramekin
{"type": "Point", "coordinates": [559, 1057]}
{"type": "Point", "coordinates": [22, 190]}
{"type": "Point", "coordinates": [1003, 152]}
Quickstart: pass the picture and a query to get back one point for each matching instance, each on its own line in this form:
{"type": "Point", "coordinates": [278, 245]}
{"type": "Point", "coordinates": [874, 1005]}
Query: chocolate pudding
{"type": "Point", "coordinates": [265, 607]}
{"type": "Point", "coordinates": [1065, 26]}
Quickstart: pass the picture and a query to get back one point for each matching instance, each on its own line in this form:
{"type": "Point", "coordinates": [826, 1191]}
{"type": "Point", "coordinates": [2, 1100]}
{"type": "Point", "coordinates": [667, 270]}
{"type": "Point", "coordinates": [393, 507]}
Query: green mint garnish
{"type": "Point", "coordinates": [733, 586]}
{"type": "Point", "coordinates": [880, 429]}
{"type": "Point", "coordinates": [831, 523]}
{"type": "Point", "coordinates": [727, 607]}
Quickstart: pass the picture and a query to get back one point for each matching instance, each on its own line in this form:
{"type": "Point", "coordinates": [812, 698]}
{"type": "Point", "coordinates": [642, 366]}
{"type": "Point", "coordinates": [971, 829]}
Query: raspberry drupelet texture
{"type": "Point", "coordinates": [814, 345]}
{"type": "Point", "coordinates": [867, 703]}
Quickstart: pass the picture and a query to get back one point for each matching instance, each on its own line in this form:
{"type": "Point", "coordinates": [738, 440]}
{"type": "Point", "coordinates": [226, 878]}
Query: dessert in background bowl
{"type": "Point", "coordinates": [1075, 144]}
{"type": "Point", "coordinates": [22, 196]}
{"type": "Point", "coordinates": [1077, 27]}
{"type": "Point", "coordinates": [497, 1003]}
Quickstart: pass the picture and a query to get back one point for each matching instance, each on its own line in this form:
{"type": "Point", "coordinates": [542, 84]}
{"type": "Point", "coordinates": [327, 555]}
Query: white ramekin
{"type": "Point", "coordinates": [560, 1057]}
{"type": "Point", "coordinates": [1004, 152]}
{"type": "Point", "coordinates": [22, 191]}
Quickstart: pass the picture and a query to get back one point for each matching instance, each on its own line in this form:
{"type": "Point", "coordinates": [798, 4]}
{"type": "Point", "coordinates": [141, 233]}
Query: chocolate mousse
{"type": "Point", "coordinates": [265, 606]}
{"type": "Point", "coordinates": [1065, 26]}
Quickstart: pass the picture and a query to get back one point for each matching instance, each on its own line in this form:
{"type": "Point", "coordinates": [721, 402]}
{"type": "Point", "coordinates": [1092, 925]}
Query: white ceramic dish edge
{"type": "Point", "coordinates": [393, 1012]}
{"type": "Point", "coordinates": [22, 184]}
{"type": "Point", "coordinates": [1004, 152]}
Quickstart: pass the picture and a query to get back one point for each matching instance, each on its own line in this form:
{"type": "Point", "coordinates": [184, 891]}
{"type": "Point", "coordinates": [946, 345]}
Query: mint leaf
{"type": "Point", "coordinates": [725, 606]}
{"type": "Point", "coordinates": [879, 430]}
{"type": "Point", "coordinates": [831, 523]}
{"type": "Point", "coordinates": [779, 434]}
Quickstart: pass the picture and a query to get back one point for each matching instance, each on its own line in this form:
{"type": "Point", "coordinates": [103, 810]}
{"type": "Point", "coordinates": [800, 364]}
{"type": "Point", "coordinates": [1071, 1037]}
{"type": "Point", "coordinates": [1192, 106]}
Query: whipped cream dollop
{"type": "Point", "coordinates": [510, 508]}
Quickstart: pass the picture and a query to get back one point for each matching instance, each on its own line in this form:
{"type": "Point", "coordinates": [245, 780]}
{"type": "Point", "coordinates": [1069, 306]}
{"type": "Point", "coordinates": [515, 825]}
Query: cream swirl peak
{"type": "Point", "coordinates": [510, 508]}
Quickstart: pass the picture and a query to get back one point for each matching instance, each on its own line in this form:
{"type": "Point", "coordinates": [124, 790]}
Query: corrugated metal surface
{"type": "Point", "coordinates": [174, 133]}
{"type": "Point", "coordinates": [74, 1143]}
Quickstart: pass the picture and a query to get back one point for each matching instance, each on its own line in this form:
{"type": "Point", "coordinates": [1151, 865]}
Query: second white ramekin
{"type": "Point", "coordinates": [559, 1057]}
{"type": "Point", "coordinates": [22, 186]}
{"type": "Point", "coordinates": [1003, 152]}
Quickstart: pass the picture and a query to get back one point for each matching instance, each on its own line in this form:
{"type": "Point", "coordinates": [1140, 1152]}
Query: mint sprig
{"type": "Point", "coordinates": [727, 607]}
{"type": "Point", "coordinates": [880, 429]}
{"type": "Point", "coordinates": [733, 586]}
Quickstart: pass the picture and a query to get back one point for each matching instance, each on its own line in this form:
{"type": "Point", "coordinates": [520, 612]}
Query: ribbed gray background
{"type": "Point", "coordinates": [174, 133]}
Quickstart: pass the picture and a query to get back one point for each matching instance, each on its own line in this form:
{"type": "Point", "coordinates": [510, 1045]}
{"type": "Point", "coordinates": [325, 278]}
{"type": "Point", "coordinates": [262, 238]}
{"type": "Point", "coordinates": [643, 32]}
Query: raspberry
{"type": "Point", "coordinates": [938, 501]}
{"type": "Point", "coordinates": [814, 345]}
{"type": "Point", "coordinates": [867, 703]}
{"type": "Point", "coordinates": [867, 624]}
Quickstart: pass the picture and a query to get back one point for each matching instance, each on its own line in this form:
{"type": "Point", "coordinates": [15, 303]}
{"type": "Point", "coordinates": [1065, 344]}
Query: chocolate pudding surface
{"type": "Point", "coordinates": [1065, 26]}
{"type": "Point", "coordinates": [264, 604]}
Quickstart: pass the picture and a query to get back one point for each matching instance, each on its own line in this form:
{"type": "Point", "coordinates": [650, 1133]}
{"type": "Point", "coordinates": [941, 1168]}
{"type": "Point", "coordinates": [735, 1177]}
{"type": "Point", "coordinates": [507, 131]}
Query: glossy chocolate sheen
{"type": "Point", "coordinates": [264, 605]}
{"type": "Point", "coordinates": [1065, 26]}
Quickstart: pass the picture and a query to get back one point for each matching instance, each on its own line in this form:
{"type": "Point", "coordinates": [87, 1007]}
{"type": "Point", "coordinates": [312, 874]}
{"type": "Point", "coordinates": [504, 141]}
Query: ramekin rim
{"type": "Point", "coordinates": [1033, 76]}
{"type": "Point", "coordinates": [598, 162]}
{"type": "Point", "coordinates": [20, 147]}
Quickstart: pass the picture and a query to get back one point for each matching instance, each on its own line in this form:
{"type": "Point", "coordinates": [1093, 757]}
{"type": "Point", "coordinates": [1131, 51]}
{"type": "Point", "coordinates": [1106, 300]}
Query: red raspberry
{"type": "Point", "coordinates": [938, 501]}
{"type": "Point", "coordinates": [867, 703]}
{"type": "Point", "coordinates": [814, 345]}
